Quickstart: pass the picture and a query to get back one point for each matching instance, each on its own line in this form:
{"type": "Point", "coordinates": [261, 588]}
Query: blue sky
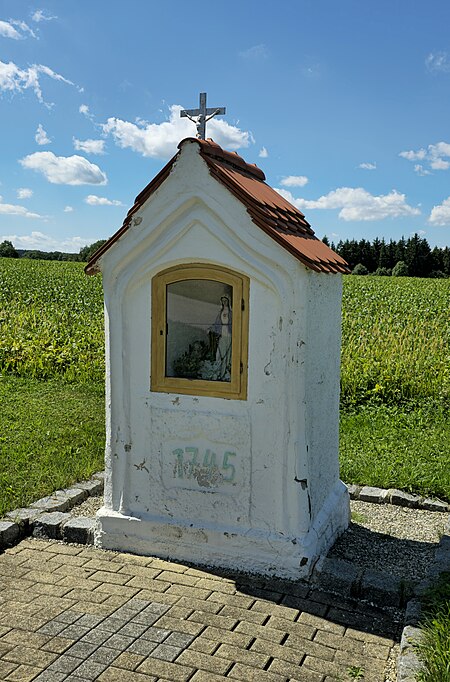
{"type": "Point", "coordinates": [344, 105]}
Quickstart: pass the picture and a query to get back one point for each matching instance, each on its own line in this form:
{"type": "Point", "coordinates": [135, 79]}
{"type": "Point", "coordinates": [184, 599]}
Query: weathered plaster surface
{"type": "Point", "coordinates": [270, 499]}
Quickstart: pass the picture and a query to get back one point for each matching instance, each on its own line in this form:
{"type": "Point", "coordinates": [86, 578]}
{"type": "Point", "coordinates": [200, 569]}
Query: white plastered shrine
{"type": "Point", "coordinates": [270, 501]}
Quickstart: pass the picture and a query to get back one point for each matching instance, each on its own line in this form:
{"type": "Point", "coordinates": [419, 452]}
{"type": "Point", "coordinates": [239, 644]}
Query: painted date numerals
{"type": "Point", "coordinates": [191, 463]}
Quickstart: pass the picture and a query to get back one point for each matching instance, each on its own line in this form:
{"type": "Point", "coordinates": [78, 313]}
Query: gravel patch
{"type": "Point", "coordinates": [395, 540]}
{"type": "Point", "coordinates": [89, 507]}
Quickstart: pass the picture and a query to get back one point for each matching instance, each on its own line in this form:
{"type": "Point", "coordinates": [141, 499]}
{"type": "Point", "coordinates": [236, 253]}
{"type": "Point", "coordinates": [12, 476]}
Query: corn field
{"type": "Point", "coordinates": [395, 331]}
{"type": "Point", "coordinates": [51, 320]}
{"type": "Point", "coordinates": [395, 339]}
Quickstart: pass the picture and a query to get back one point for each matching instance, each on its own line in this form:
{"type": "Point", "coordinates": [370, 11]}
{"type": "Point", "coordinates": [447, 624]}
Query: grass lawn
{"type": "Point", "coordinates": [398, 446]}
{"type": "Point", "coordinates": [434, 648]}
{"type": "Point", "coordinates": [51, 434]}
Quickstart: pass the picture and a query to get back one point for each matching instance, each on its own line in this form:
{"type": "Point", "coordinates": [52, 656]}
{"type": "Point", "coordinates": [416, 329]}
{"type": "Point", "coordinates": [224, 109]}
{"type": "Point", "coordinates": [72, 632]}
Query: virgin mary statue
{"type": "Point", "coordinates": [222, 327]}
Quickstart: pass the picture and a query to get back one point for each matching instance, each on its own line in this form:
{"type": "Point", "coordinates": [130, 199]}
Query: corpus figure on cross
{"type": "Point", "coordinates": [202, 115]}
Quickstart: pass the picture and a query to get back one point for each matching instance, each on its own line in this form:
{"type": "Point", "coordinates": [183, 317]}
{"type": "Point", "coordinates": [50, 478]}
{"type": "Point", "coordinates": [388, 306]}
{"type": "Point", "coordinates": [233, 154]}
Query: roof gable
{"type": "Point", "coordinates": [267, 209]}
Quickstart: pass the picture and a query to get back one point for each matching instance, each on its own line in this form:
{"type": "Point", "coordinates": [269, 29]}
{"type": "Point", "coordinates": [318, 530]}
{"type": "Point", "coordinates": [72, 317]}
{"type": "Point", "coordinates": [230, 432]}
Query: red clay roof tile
{"type": "Point", "coordinates": [267, 209]}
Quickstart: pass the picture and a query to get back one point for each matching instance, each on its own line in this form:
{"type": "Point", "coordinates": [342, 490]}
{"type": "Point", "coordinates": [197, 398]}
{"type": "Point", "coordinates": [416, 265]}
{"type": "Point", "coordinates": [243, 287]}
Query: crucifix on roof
{"type": "Point", "coordinates": [202, 115]}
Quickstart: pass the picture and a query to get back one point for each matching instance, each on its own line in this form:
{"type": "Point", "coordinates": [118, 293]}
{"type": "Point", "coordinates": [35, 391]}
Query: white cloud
{"type": "Point", "coordinates": [84, 110]}
{"type": "Point", "coordinates": [89, 146]}
{"type": "Point", "coordinates": [43, 242]}
{"type": "Point", "coordinates": [438, 61]}
{"type": "Point", "coordinates": [160, 140]}
{"type": "Point", "coordinates": [65, 170]}
{"type": "Point", "coordinates": [420, 170]}
{"type": "Point", "coordinates": [68, 209]}
{"type": "Point", "coordinates": [440, 215]}
{"type": "Point", "coordinates": [414, 156]}
{"type": "Point", "coordinates": [367, 166]}
{"type": "Point", "coordinates": [263, 153]}
{"type": "Point", "coordinates": [94, 200]}
{"type": "Point", "coordinates": [294, 181]}
{"type": "Point", "coordinates": [24, 193]}
{"type": "Point", "coordinates": [11, 209]}
{"type": "Point", "coordinates": [15, 29]}
{"type": "Point", "coordinates": [41, 136]}
{"type": "Point", "coordinates": [434, 154]}
{"type": "Point", "coordinates": [255, 53]}
{"type": "Point", "coordinates": [15, 80]}
{"type": "Point", "coordinates": [41, 15]}
{"type": "Point", "coordinates": [356, 203]}
{"type": "Point", "coordinates": [7, 30]}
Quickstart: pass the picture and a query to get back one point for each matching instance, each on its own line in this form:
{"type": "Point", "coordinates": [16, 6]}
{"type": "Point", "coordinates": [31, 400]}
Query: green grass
{"type": "Point", "coordinates": [51, 434]}
{"type": "Point", "coordinates": [392, 446]}
{"type": "Point", "coordinates": [434, 648]}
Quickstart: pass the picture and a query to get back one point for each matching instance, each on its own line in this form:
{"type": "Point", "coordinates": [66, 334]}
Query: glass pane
{"type": "Point", "coordinates": [199, 320]}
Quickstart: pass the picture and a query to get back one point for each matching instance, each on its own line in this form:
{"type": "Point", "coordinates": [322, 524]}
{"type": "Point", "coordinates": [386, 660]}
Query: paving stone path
{"type": "Point", "coordinates": [77, 614]}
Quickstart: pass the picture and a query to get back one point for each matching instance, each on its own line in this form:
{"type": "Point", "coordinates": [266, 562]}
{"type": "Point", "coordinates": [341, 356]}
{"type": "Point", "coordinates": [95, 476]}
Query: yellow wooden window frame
{"type": "Point", "coordinates": [159, 382]}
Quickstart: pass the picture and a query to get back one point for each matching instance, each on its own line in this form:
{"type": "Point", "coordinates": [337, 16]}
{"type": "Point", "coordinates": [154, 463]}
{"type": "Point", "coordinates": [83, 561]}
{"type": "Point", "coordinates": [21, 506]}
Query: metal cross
{"type": "Point", "coordinates": [202, 115]}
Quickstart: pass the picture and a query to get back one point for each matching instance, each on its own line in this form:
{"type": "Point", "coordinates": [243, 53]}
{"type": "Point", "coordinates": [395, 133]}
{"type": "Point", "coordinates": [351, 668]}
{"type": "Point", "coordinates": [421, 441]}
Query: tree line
{"type": "Point", "coordinates": [412, 256]}
{"type": "Point", "coordinates": [7, 250]}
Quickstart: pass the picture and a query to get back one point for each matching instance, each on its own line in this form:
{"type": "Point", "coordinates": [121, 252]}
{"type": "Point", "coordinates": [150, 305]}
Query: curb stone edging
{"type": "Point", "coordinates": [397, 497]}
{"type": "Point", "coordinates": [49, 516]}
{"type": "Point", "coordinates": [408, 664]}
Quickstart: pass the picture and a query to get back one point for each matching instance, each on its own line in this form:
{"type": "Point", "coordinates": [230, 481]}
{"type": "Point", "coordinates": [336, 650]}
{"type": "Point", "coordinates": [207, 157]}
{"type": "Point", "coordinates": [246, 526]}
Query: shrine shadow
{"type": "Point", "coordinates": [360, 603]}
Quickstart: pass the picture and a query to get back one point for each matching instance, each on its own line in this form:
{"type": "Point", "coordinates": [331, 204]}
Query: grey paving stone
{"type": "Point", "coordinates": [413, 612]}
{"type": "Point", "coordinates": [142, 647]}
{"type": "Point", "coordinates": [339, 575]}
{"type": "Point", "coordinates": [23, 516]}
{"type": "Point", "coordinates": [179, 639]}
{"type": "Point", "coordinates": [96, 636]}
{"type": "Point", "coordinates": [104, 655]}
{"type": "Point", "coordinates": [52, 503]}
{"type": "Point", "coordinates": [90, 620]}
{"type": "Point", "coordinates": [124, 613]}
{"type": "Point", "coordinates": [138, 604]}
{"type": "Point", "coordinates": [434, 505]}
{"type": "Point", "coordinates": [51, 676]}
{"type": "Point", "coordinates": [146, 618]}
{"type": "Point", "coordinates": [91, 670]}
{"type": "Point", "coordinates": [65, 664]}
{"type": "Point", "coordinates": [100, 475]}
{"type": "Point", "coordinates": [76, 495]}
{"type": "Point", "coordinates": [441, 559]}
{"type": "Point", "coordinates": [131, 607]}
{"type": "Point", "coordinates": [82, 649]}
{"type": "Point", "coordinates": [381, 588]}
{"type": "Point", "coordinates": [119, 642]}
{"type": "Point", "coordinates": [370, 494]}
{"type": "Point", "coordinates": [9, 533]}
{"type": "Point", "coordinates": [132, 630]}
{"type": "Point", "coordinates": [156, 634]}
{"type": "Point", "coordinates": [112, 624]}
{"type": "Point", "coordinates": [79, 529]}
{"type": "Point", "coordinates": [75, 632]}
{"type": "Point", "coordinates": [353, 491]}
{"type": "Point", "coordinates": [403, 499]}
{"type": "Point", "coordinates": [165, 652]}
{"type": "Point", "coordinates": [408, 664]}
{"type": "Point", "coordinates": [93, 487]}
{"type": "Point", "coordinates": [49, 525]}
{"type": "Point", "coordinates": [53, 627]}
{"type": "Point", "coordinates": [156, 607]}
